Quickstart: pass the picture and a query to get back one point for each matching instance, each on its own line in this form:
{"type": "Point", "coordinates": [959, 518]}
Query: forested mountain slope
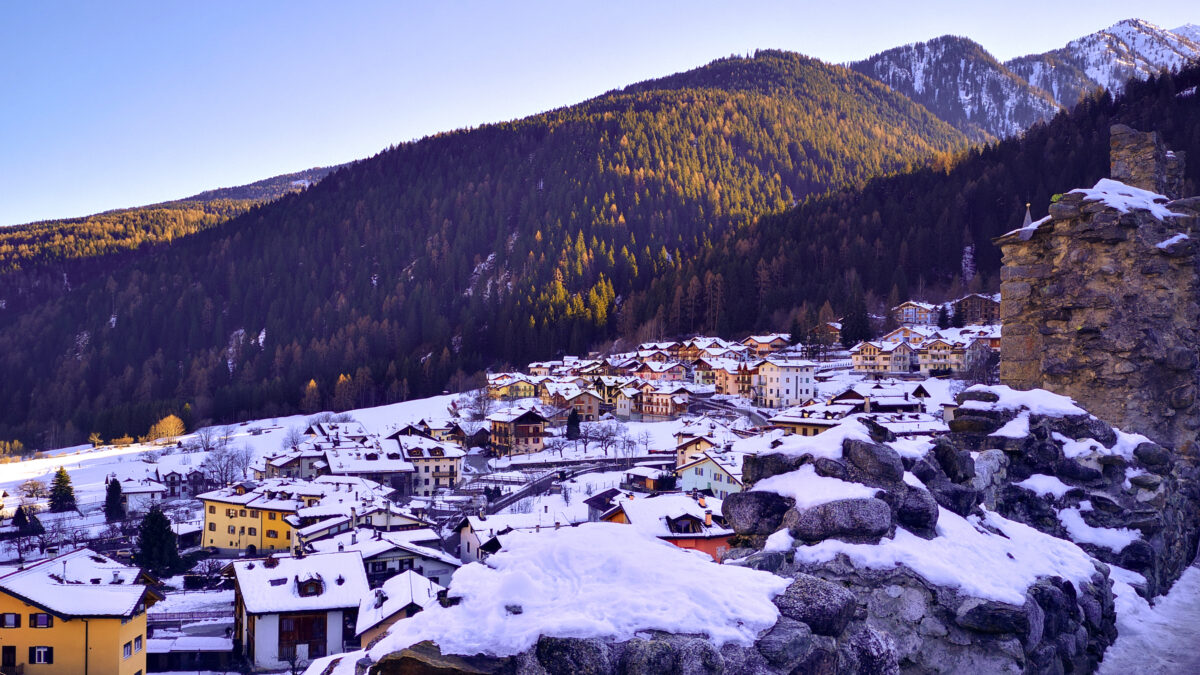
{"type": "Point", "coordinates": [43, 259]}
{"type": "Point", "coordinates": [504, 242]}
{"type": "Point", "coordinates": [903, 233]}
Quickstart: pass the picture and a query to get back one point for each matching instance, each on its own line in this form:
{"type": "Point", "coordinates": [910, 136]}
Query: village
{"type": "Point", "coordinates": [305, 537]}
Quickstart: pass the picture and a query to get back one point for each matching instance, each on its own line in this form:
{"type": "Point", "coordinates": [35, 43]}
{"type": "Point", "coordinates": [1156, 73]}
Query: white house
{"type": "Point", "coordinates": [139, 495]}
{"type": "Point", "coordinates": [293, 610]}
{"type": "Point", "coordinates": [399, 598]}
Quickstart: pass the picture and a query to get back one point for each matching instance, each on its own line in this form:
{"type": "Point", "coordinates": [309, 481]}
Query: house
{"type": "Point", "coordinates": [398, 598]}
{"type": "Point", "coordinates": [196, 653]}
{"type": "Point", "coordinates": [517, 431]}
{"type": "Point", "coordinates": [978, 308]}
{"type": "Point", "coordinates": [691, 522]}
{"type": "Point", "coordinates": [386, 554]}
{"type": "Point", "coordinates": [373, 462]}
{"type": "Point", "coordinates": [628, 402]}
{"type": "Point", "coordinates": [913, 313]}
{"type": "Point", "coordinates": [717, 472]}
{"type": "Point", "coordinates": [294, 609]}
{"type": "Point", "coordinates": [306, 461]}
{"type": "Point", "coordinates": [647, 479]}
{"type": "Point", "coordinates": [586, 404]}
{"type": "Point", "coordinates": [137, 496]}
{"type": "Point", "coordinates": [880, 357]}
{"type": "Point", "coordinates": [811, 420]}
{"type": "Point", "coordinates": [784, 382]}
{"type": "Point", "coordinates": [662, 370]}
{"type": "Point", "coordinates": [600, 503]}
{"type": "Point", "coordinates": [762, 345]}
{"type": "Point", "coordinates": [79, 612]}
{"type": "Point", "coordinates": [253, 517]}
{"type": "Point", "coordinates": [664, 402]}
{"type": "Point", "coordinates": [435, 464]}
{"type": "Point", "coordinates": [182, 482]}
{"type": "Point", "coordinates": [829, 333]}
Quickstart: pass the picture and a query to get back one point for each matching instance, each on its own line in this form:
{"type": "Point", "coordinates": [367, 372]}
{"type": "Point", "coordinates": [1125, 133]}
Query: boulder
{"type": "Point", "coordinates": [648, 657]}
{"type": "Point", "coordinates": [868, 652]}
{"type": "Point", "coordinates": [918, 512]}
{"type": "Point", "coordinates": [981, 395]}
{"type": "Point", "coordinates": [754, 512]}
{"type": "Point", "coordinates": [957, 498]}
{"type": "Point", "coordinates": [786, 645]}
{"type": "Point", "coordinates": [758, 467]}
{"type": "Point", "coordinates": [989, 616]}
{"type": "Point", "coordinates": [854, 520]}
{"type": "Point", "coordinates": [878, 462]}
{"type": "Point", "coordinates": [1154, 457]}
{"type": "Point", "coordinates": [563, 656]}
{"type": "Point", "coordinates": [831, 468]}
{"type": "Point", "coordinates": [957, 465]}
{"type": "Point", "coordinates": [825, 606]}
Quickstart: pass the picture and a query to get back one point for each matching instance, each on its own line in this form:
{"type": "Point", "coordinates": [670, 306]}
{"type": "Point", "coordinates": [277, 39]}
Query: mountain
{"type": "Point", "coordinates": [926, 233]}
{"type": "Point", "coordinates": [406, 271]}
{"type": "Point", "coordinates": [966, 86]}
{"type": "Point", "coordinates": [43, 259]}
{"type": "Point", "coordinates": [960, 82]}
{"type": "Point", "coordinates": [1108, 58]}
{"type": "Point", "coordinates": [1188, 30]}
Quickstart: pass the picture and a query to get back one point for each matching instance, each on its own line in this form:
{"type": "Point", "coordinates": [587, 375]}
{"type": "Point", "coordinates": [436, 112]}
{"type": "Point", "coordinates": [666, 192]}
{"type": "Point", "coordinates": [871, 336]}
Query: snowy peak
{"type": "Point", "coordinates": [1188, 30]}
{"type": "Point", "coordinates": [959, 81]}
{"type": "Point", "coordinates": [1109, 58]}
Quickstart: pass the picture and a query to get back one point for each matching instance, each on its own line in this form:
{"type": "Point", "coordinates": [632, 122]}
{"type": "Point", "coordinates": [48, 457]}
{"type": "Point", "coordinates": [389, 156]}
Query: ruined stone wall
{"type": "Point", "coordinates": [1097, 307]}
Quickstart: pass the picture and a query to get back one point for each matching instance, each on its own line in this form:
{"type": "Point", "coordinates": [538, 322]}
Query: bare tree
{"type": "Point", "coordinates": [33, 489]}
{"type": "Point", "coordinates": [607, 435]}
{"type": "Point", "coordinates": [291, 439]}
{"type": "Point", "coordinates": [206, 439]}
{"type": "Point", "coordinates": [475, 405]}
{"type": "Point", "coordinates": [227, 464]}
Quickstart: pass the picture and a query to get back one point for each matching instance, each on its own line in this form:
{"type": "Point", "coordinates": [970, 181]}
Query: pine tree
{"type": "Point", "coordinates": [20, 521]}
{"type": "Point", "coordinates": [573, 425]}
{"type": "Point", "coordinates": [157, 547]}
{"type": "Point", "coordinates": [958, 320]}
{"type": "Point", "coordinates": [62, 494]}
{"type": "Point", "coordinates": [856, 325]}
{"type": "Point", "coordinates": [943, 319]}
{"type": "Point", "coordinates": [114, 509]}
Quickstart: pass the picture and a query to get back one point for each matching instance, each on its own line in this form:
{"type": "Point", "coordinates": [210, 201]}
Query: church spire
{"type": "Point", "coordinates": [1028, 218]}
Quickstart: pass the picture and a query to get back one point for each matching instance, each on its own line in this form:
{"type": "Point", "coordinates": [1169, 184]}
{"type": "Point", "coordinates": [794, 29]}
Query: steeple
{"type": "Point", "coordinates": [1028, 218]}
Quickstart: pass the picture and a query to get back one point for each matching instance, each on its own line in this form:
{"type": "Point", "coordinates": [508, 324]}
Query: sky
{"type": "Point", "coordinates": [117, 104]}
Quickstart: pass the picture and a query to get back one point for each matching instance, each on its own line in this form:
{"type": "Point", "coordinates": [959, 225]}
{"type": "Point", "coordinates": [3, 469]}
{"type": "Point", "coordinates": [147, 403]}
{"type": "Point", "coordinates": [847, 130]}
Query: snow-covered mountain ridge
{"type": "Point", "coordinates": [959, 81]}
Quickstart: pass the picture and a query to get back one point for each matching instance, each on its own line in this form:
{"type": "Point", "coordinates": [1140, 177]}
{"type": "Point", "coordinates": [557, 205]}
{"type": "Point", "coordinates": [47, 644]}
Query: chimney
{"type": "Point", "coordinates": [353, 538]}
{"type": "Point", "coordinates": [341, 547]}
{"type": "Point", "coordinates": [707, 517]}
{"type": "Point", "coordinates": [556, 524]}
{"type": "Point", "coordinates": [116, 576]}
{"type": "Point", "coordinates": [700, 501]}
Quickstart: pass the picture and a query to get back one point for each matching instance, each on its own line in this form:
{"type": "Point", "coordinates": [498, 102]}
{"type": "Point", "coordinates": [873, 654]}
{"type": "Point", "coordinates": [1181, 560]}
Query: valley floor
{"type": "Point", "coordinates": [1162, 638]}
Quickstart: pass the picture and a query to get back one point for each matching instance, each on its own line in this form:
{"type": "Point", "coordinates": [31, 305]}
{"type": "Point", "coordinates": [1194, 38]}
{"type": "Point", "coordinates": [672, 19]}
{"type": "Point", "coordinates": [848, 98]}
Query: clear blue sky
{"type": "Point", "coordinates": [112, 104]}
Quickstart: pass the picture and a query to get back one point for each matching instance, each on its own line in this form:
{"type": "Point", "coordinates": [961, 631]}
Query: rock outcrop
{"type": "Point", "coordinates": [1101, 302]}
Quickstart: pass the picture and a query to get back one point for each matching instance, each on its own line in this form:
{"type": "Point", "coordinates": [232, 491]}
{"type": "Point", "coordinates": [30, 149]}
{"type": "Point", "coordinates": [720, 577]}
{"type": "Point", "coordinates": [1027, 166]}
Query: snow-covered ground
{"type": "Point", "coordinates": [1163, 638]}
{"type": "Point", "coordinates": [90, 467]}
{"type": "Point", "coordinates": [569, 504]}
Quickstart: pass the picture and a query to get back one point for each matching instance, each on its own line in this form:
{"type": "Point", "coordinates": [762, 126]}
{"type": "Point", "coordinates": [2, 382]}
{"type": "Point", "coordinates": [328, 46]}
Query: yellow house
{"type": "Point", "coordinates": [79, 612]}
{"type": "Point", "coordinates": [255, 517]}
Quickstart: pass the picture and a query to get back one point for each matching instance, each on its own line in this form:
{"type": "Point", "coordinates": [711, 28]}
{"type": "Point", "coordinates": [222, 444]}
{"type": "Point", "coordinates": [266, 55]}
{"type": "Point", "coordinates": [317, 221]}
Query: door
{"type": "Point", "coordinates": [8, 657]}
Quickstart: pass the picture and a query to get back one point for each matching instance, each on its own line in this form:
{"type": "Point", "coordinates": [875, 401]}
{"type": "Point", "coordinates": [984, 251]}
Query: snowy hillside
{"type": "Point", "coordinates": [963, 84]}
{"type": "Point", "coordinates": [1108, 58]}
{"type": "Point", "coordinates": [960, 82]}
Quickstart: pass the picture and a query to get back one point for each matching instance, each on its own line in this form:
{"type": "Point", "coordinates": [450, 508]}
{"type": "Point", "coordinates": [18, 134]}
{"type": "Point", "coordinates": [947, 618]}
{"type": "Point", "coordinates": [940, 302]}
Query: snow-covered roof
{"type": "Point", "coordinates": [402, 590]}
{"type": "Point", "coordinates": [370, 543]}
{"type": "Point", "coordinates": [1125, 198]}
{"type": "Point", "coordinates": [81, 583]}
{"type": "Point", "coordinates": [654, 514]}
{"type": "Point", "coordinates": [273, 585]}
{"type": "Point", "coordinates": [144, 486]}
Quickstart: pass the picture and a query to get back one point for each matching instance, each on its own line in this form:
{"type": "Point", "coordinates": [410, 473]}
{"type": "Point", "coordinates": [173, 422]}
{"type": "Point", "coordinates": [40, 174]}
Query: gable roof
{"type": "Point", "coordinates": [81, 583]}
{"type": "Point", "coordinates": [274, 587]}
{"type": "Point", "coordinates": [397, 593]}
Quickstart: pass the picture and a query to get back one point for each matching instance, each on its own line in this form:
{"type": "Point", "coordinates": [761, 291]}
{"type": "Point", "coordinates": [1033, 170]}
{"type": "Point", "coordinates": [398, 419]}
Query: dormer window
{"type": "Point", "coordinates": [310, 588]}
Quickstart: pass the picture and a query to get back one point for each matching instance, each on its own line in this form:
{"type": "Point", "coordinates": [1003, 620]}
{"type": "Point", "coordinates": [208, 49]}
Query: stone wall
{"type": "Point", "coordinates": [1096, 307]}
{"type": "Point", "coordinates": [1143, 161]}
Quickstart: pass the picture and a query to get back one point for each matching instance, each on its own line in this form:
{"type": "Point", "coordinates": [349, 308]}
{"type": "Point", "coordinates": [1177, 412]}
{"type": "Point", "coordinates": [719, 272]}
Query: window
{"type": "Point", "coordinates": [127, 650]}
{"type": "Point", "coordinates": [253, 513]}
{"type": "Point", "coordinates": [212, 527]}
{"type": "Point", "coordinates": [137, 643]}
{"type": "Point", "coordinates": [10, 621]}
{"type": "Point", "coordinates": [212, 509]}
{"type": "Point", "coordinates": [242, 513]}
{"type": "Point", "coordinates": [232, 529]}
{"type": "Point", "coordinates": [272, 534]}
{"type": "Point", "coordinates": [271, 515]}
{"type": "Point", "coordinates": [253, 532]}
{"type": "Point", "coordinates": [230, 513]}
{"type": "Point", "coordinates": [41, 621]}
{"type": "Point", "coordinates": [41, 655]}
